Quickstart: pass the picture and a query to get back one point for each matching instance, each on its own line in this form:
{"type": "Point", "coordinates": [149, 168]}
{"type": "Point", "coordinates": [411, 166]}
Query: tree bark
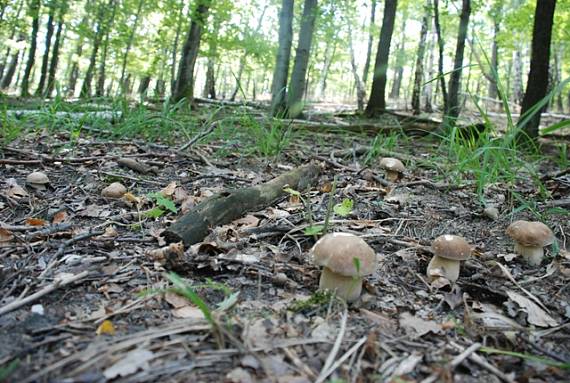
{"type": "Point", "coordinates": [184, 88]}
{"type": "Point", "coordinates": [418, 75]}
{"type": "Point", "coordinates": [281, 71]}
{"type": "Point", "coordinates": [12, 67]}
{"type": "Point", "coordinates": [377, 101]}
{"type": "Point", "coordinates": [540, 57]}
{"type": "Point", "coordinates": [400, 58]}
{"type": "Point", "coordinates": [229, 205]}
{"type": "Point", "coordinates": [428, 89]}
{"type": "Point", "coordinates": [360, 92]}
{"type": "Point", "coordinates": [45, 58]}
{"type": "Point", "coordinates": [129, 46]}
{"type": "Point", "coordinates": [453, 106]}
{"type": "Point", "coordinates": [302, 54]}
{"type": "Point", "coordinates": [370, 41]}
{"type": "Point", "coordinates": [35, 13]}
{"type": "Point", "coordinates": [55, 54]}
{"type": "Point", "coordinates": [440, 43]}
{"type": "Point", "coordinates": [86, 87]}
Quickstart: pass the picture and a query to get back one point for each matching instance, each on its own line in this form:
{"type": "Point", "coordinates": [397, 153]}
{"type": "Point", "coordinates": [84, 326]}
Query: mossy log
{"type": "Point", "coordinates": [228, 205]}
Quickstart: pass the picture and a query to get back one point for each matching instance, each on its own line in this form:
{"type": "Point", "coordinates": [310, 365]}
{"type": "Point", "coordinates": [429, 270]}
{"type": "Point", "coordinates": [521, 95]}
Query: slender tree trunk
{"type": "Point", "coordinates": [558, 57]}
{"type": "Point", "coordinates": [400, 58]}
{"type": "Point", "coordinates": [238, 78]}
{"type": "Point", "coordinates": [281, 71]}
{"type": "Point", "coordinates": [440, 43]}
{"type": "Point", "coordinates": [143, 86]}
{"type": "Point", "coordinates": [175, 47]}
{"type": "Point", "coordinates": [35, 13]}
{"type": "Point", "coordinates": [12, 35]}
{"type": "Point", "coordinates": [100, 87]}
{"type": "Point", "coordinates": [418, 75]}
{"type": "Point", "coordinates": [453, 107]}
{"type": "Point", "coordinates": [428, 89]}
{"type": "Point", "coordinates": [45, 59]}
{"type": "Point", "coordinates": [185, 80]}
{"type": "Point", "coordinates": [330, 51]}
{"type": "Point", "coordinates": [55, 54]}
{"type": "Point", "coordinates": [302, 54]}
{"type": "Point", "coordinates": [86, 87]}
{"type": "Point", "coordinates": [370, 41]}
{"type": "Point", "coordinates": [12, 67]}
{"type": "Point", "coordinates": [130, 45]}
{"type": "Point", "coordinates": [540, 57]}
{"type": "Point", "coordinates": [518, 91]}
{"type": "Point", "coordinates": [360, 92]}
{"type": "Point", "coordinates": [377, 102]}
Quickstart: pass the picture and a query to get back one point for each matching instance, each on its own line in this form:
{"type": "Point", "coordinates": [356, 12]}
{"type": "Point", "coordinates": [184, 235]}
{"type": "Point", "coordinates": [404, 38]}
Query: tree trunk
{"type": "Point", "coordinates": [55, 54]}
{"type": "Point", "coordinates": [12, 67]}
{"type": "Point", "coordinates": [418, 75]}
{"type": "Point", "coordinates": [86, 87]}
{"type": "Point", "coordinates": [518, 91]}
{"type": "Point", "coordinates": [35, 13]}
{"type": "Point", "coordinates": [210, 86]}
{"type": "Point", "coordinates": [185, 80]}
{"type": "Point", "coordinates": [302, 54]}
{"type": "Point", "coordinates": [440, 43]}
{"type": "Point", "coordinates": [400, 58]}
{"type": "Point", "coordinates": [360, 92]}
{"type": "Point", "coordinates": [281, 71]}
{"type": "Point", "coordinates": [130, 45]}
{"type": "Point", "coordinates": [330, 51]}
{"type": "Point", "coordinates": [45, 58]}
{"type": "Point", "coordinates": [377, 102]}
{"type": "Point", "coordinates": [539, 60]}
{"type": "Point", "coordinates": [143, 86]}
{"type": "Point", "coordinates": [175, 47]}
{"type": "Point", "coordinates": [493, 90]}
{"type": "Point", "coordinates": [558, 57]}
{"type": "Point", "coordinates": [428, 89]}
{"type": "Point", "coordinates": [4, 63]}
{"type": "Point", "coordinates": [100, 87]}
{"type": "Point", "coordinates": [453, 107]}
{"type": "Point", "coordinates": [370, 41]}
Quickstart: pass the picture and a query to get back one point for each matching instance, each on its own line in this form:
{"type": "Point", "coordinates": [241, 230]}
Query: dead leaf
{"type": "Point", "coordinates": [247, 221]}
{"type": "Point", "coordinates": [180, 194]}
{"type": "Point", "coordinates": [14, 190]}
{"type": "Point", "coordinates": [5, 236]}
{"type": "Point", "coordinates": [131, 198]}
{"type": "Point", "coordinates": [417, 326]}
{"type": "Point", "coordinates": [169, 190]}
{"type": "Point", "coordinates": [408, 365]}
{"type": "Point", "coordinates": [35, 221]}
{"type": "Point", "coordinates": [176, 300]}
{"type": "Point", "coordinates": [188, 312]}
{"type": "Point", "coordinates": [131, 363]}
{"type": "Point", "coordinates": [59, 217]}
{"type": "Point", "coordinates": [110, 232]}
{"type": "Point", "coordinates": [536, 315]}
{"type": "Point", "coordinates": [106, 328]}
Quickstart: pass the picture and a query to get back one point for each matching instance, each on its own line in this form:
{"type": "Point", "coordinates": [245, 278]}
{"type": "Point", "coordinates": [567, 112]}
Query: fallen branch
{"type": "Point", "coordinates": [45, 291]}
{"type": "Point", "coordinates": [229, 205]}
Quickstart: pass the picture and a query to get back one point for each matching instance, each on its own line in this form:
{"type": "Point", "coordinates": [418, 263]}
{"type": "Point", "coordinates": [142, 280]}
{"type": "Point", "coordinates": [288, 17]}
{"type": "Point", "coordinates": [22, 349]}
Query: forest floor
{"type": "Point", "coordinates": [84, 296]}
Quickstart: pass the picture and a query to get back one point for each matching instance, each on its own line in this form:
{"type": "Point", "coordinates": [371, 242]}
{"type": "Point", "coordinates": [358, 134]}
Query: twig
{"type": "Point", "coordinates": [341, 360]}
{"type": "Point", "coordinates": [464, 355]}
{"type": "Point", "coordinates": [47, 231]}
{"type": "Point", "coordinates": [486, 365]}
{"type": "Point", "coordinates": [332, 355]}
{"type": "Point", "coordinates": [46, 290]}
{"type": "Point", "coordinates": [199, 136]}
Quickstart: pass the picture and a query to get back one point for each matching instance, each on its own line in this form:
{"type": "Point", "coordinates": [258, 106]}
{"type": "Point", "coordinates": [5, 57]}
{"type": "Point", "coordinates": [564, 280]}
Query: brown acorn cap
{"type": "Point", "coordinates": [337, 252]}
{"type": "Point", "coordinates": [451, 247]}
{"type": "Point", "coordinates": [530, 234]}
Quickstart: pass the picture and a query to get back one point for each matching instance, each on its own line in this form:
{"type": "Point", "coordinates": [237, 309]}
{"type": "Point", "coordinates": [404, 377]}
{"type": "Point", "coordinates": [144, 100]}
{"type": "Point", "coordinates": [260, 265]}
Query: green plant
{"type": "Point", "coordinates": [318, 299]}
{"type": "Point", "coordinates": [162, 204]}
{"type": "Point", "coordinates": [7, 370]}
{"type": "Point", "coordinates": [382, 142]}
{"type": "Point", "coordinates": [530, 357]}
{"type": "Point", "coordinates": [10, 127]}
{"type": "Point", "coordinates": [267, 141]}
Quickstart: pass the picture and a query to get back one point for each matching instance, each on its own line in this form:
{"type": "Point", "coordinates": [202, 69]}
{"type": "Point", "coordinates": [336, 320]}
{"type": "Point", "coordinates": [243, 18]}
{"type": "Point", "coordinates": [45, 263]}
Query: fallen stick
{"type": "Point", "coordinates": [46, 290]}
{"type": "Point", "coordinates": [224, 207]}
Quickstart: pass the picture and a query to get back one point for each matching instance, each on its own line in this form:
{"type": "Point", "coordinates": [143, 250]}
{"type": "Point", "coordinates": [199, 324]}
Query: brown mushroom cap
{"type": "Point", "coordinates": [337, 252]}
{"type": "Point", "coordinates": [392, 164]}
{"type": "Point", "coordinates": [531, 234]}
{"type": "Point", "coordinates": [451, 247]}
{"type": "Point", "coordinates": [38, 178]}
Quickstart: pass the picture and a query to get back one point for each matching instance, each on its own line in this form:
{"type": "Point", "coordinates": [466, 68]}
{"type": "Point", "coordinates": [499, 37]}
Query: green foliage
{"type": "Point", "coordinates": [344, 208]}
{"type": "Point", "coordinates": [529, 357]}
{"type": "Point", "coordinates": [6, 371]}
{"type": "Point", "coordinates": [317, 300]}
{"type": "Point", "coordinates": [266, 141]}
{"type": "Point", "coordinates": [162, 204]}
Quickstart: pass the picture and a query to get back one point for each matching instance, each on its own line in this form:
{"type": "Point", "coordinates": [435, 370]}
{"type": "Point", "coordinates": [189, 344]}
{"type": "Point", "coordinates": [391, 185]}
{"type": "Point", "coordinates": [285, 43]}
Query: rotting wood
{"type": "Point", "coordinates": [229, 205]}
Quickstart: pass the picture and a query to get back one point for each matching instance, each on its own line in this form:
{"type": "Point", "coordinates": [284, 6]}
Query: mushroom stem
{"type": "Point", "coordinates": [347, 288]}
{"type": "Point", "coordinates": [532, 255]}
{"type": "Point", "coordinates": [442, 267]}
{"type": "Point", "coordinates": [392, 176]}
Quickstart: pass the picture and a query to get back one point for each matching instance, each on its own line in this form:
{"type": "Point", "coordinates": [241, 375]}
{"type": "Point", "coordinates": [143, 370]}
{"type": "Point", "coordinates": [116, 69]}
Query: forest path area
{"type": "Point", "coordinates": [87, 294]}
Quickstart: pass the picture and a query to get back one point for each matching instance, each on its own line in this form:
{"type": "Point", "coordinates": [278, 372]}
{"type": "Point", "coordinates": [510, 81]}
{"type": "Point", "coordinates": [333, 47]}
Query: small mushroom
{"type": "Point", "coordinates": [37, 180]}
{"type": "Point", "coordinates": [530, 239]}
{"type": "Point", "coordinates": [115, 190]}
{"type": "Point", "coordinates": [346, 259]}
{"type": "Point", "coordinates": [394, 168]}
{"type": "Point", "coordinates": [449, 251]}
{"type": "Point", "coordinates": [491, 212]}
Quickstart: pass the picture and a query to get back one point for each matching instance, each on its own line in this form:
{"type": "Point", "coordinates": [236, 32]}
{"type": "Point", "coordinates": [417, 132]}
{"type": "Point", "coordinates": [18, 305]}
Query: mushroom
{"type": "Point", "coordinates": [115, 190]}
{"type": "Point", "coordinates": [530, 238]}
{"type": "Point", "coordinates": [37, 180]}
{"type": "Point", "coordinates": [448, 251]}
{"type": "Point", "coordinates": [394, 168]}
{"type": "Point", "coordinates": [346, 259]}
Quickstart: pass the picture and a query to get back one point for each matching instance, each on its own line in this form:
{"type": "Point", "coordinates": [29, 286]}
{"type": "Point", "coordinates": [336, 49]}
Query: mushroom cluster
{"type": "Point", "coordinates": [346, 259]}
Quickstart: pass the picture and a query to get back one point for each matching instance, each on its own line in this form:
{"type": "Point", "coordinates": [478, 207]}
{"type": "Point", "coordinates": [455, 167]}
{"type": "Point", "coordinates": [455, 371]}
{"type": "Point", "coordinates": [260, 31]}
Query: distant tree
{"type": "Point", "coordinates": [377, 101]}
{"type": "Point", "coordinates": [130, 41]}
{"type": "Point", "coordinates": [440, 47]}
{"type": "Point", "coordinates": [370, 41]}
{"type": "Point", "coordinates": [299, 74]}
{"type": "Point", "coordinates": [540, 57]}
{"type": "Point", "coordinates": [34, 12]}
{"type": "Point", "coordinates": [281, 69]}
{"type": "Point", "coordinates": [45, 59]}
{"type": "Point", "coordinates": [418, 75]}
{"type": "Point", "coordinates": [184, 88]}
{"type": "Point", "coordinates": [63, 7]}
{"type": "Point", "coordinates": [100, 21]}
{"type": "Point", "coordinates": [107, 25]}
{"type": "Point", "coordinates": [453, 107]}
